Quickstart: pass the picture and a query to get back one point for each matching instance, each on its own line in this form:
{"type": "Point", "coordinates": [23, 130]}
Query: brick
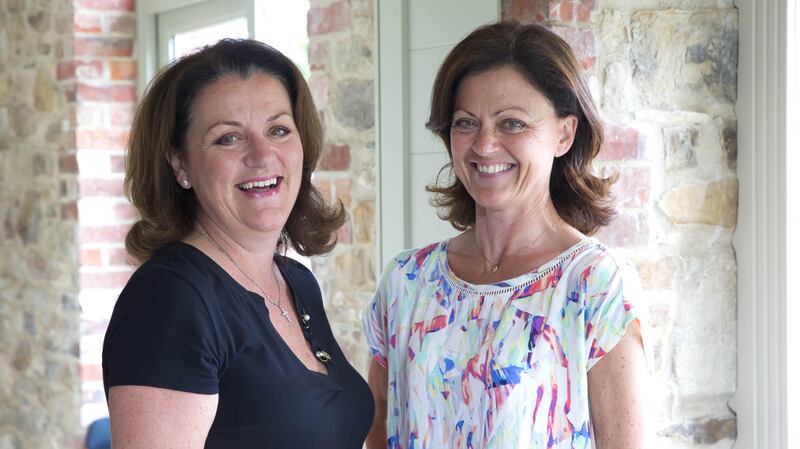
{"type": "Point", "coordinates": [100, 187]}
{"type": "Point", "coordinates": [125, 211]}
{"type": "Point", "coordinates": [69, 211]}
{"type": "Point", "coordinates": [67, 164]}
{"type": "Point", "coordinates": [335, 157]}
{"type": "Point", "coordinates": [88, 70]}
{"type": "Point", "coordinates": [582, 42]}
{"type": "Point", "coordinates": [117, 164]}
{"type": "Point", "coordinates": [628, 229]}
{"type": "Point", "coordinates": [563, 11]}
{"type": "Point", "coordinates": [324, 187]}
{"type": "Point", "coordinates": [86, 23]}
{"type": "Point", "coordinates": [91, 372]}
{"type": "Point", "coordinates": [582, 13]}
{"type": "Point", "coordinates": [118, 257]}
{"type": "Point", "coordinates": [105, 5]}
{"type": "Point", "coordinates": [526, 11]}
{"type": "Point", "coordinates": [103, 234]}
{"type": "Point", "coordinates": [344, 235]}
{"type": "Point", "coordinates": [621, 143]}
{"type": "Point", "coordinates": [342, 189]}
{"type": "Point", "coordinates": [111, 279]}
{"type": "Point", "coordinates": [121, 116]}
{"type": "Point", "coordinates": [90, 257]}
{"type": "Point", "coordinates": [318, 56]}
{"type": "Point", "coordinates": [633, 187]}
{"type": "Point", "coordinates": [120, 24]}
{"type": "Point", "coordinates": [328, 19]}
{"type": "Point", "coordinates": [103, 46]}
{"type": "Point", "coordinates": [65, 70]}
{"type": "Point", "coordinates": [101, 139]}
{"type": "Point", "coordinates": [121, 94]}
{"type": "Point", "coordinates": [123, 70]}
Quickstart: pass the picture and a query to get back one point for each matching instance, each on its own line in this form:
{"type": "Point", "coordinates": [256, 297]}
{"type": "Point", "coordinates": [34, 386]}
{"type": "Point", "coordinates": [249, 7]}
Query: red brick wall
{"type": "Point", "coordinates": [105, 72]}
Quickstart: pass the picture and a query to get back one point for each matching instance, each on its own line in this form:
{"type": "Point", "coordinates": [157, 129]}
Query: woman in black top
{"type": "Point", "coordinates": [218, 341]}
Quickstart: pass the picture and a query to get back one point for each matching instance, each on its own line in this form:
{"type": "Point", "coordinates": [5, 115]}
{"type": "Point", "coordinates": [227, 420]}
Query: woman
{"type": "Point", "coordinates": [218, 341]}
{"type": "Point", "coordinates": [520, 332]}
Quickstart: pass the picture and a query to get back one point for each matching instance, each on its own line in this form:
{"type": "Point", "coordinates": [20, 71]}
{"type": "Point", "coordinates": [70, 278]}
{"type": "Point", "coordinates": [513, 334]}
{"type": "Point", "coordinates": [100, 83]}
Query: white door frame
{"type": "Point", "coordinates": [760, 237]}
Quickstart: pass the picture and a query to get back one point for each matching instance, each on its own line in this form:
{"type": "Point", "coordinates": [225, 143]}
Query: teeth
{"type": "Point", "coordinates": [261, 184]}
{"type": "Point", "coordinates": [491, 169]}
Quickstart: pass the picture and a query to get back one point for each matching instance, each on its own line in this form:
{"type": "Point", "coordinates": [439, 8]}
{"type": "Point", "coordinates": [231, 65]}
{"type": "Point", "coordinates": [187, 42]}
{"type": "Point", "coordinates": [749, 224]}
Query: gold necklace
{"type": "Point", "coordinates": [496, 266]}
{"type": "Point", "coordinates": [279, 305]}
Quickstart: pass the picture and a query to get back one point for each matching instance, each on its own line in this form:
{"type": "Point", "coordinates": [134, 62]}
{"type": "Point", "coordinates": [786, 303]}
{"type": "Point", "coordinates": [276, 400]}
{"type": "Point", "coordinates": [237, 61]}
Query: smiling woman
{"type": "Point", "coordinates": [219, 167]}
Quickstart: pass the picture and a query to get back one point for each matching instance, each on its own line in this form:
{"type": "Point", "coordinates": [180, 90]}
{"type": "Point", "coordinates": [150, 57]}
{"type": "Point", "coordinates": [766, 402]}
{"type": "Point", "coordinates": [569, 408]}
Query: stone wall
{"type": "Point", "coordinates": [39, 311]}
{"type": "Point", "coordinates": [341, 41]}
{"type": "Point", "coordinates": [664, 75]}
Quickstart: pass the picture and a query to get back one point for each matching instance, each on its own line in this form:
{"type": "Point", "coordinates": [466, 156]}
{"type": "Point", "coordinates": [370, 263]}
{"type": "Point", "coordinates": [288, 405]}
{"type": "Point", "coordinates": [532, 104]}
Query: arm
{"type": "Point", "coordinates": [378, 380]}
{"type": "Point", "coordinates": [616, 394]}
{"type": "Point", "coordinates": [153, 418]}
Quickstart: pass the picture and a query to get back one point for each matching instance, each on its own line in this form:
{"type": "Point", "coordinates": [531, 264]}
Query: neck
{"type": "Point", "coordinates": [498, 234]}
{"type": "Point", "coordinates": [253, 253]}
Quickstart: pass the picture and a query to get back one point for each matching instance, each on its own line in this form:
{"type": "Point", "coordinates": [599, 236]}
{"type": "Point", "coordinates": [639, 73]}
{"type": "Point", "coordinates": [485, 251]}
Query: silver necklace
{"type": "Point", "coordinates": [279, 305]}
{"type": "Point", "coordinates": [496, 266]}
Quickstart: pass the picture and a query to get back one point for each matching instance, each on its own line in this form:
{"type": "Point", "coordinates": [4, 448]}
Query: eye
{"type": "Point", "coordinates": [513, 125]}
{"type": "Point", "coordinates": [464, 124]}
{"type": "Point", "coordinates": [279, 131]}
{"type": "Point", "coordinates": [227, 140]}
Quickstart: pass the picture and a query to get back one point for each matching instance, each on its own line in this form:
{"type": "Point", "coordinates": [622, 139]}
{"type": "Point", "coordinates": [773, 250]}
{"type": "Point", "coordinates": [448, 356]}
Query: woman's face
{"type": "Point", "coordinates": [243, 155]}
{"type": "Point", "coordinates": [504, 137]}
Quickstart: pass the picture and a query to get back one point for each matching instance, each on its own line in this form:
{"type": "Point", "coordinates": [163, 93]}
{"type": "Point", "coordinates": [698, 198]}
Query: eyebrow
{"type": "Point", "coordinates": [271, 118]}
{"type": "Point", "coordinates": [498, 112]}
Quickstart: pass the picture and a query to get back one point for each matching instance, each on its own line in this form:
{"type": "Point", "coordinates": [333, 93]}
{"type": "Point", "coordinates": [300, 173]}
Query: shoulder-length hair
{"type": "Point", "coordinates": [547, 62]}
{"type": "Point", "coordinates": [168, 212]}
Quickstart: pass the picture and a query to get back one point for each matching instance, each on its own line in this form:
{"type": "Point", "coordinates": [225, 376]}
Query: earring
{"type": "Point", "coordinates": [186, 183]}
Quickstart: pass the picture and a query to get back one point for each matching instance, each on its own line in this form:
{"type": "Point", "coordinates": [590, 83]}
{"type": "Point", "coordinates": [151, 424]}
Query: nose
{"type": "Point", "coordinates": [485, 141]}
{"type": "Point", "coordinates": [260, 152]}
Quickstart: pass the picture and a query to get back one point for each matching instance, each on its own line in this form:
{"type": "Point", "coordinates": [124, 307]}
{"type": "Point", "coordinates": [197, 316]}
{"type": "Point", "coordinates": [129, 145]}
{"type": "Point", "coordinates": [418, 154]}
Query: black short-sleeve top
{"type": "Point", "coordinates": [183, 323]}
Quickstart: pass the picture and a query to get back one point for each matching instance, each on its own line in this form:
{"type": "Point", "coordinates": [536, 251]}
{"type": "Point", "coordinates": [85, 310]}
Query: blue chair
{"type": "Point", "coordinates": [98, 435]}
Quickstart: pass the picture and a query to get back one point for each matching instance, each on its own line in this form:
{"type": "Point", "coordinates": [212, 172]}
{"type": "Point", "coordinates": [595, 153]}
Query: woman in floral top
{"type": "Point", "coordinates": [521, 332]}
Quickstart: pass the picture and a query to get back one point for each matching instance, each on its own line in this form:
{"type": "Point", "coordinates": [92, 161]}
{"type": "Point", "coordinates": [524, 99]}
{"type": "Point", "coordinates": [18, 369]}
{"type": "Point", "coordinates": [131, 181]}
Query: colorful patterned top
{"type": "Point", "coordinates": [495, 366]}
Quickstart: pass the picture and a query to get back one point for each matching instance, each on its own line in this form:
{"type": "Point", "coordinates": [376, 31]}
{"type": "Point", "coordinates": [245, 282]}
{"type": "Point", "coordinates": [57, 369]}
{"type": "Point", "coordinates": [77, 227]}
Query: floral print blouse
{"type": "Point", "coordinates": [501, 365]}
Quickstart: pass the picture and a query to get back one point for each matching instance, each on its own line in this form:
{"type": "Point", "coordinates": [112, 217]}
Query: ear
{"type": "Point", "coordinates": [567, 126]}
{"type": "Point", "coordinates": [179, 169]}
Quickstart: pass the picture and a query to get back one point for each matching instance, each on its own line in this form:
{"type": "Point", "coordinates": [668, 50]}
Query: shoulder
{"type": "Point", "coordinates": [177, 276]}
{"type": "Point", "coordinates": [415, 259]}
{"type": "Point", "coordinates": [597, 267]}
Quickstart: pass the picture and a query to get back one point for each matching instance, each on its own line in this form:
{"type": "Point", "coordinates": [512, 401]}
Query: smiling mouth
{"type": "Point", "coordinates": [260, 186]}
{"type": "Point", "coordinates": [492, 168]}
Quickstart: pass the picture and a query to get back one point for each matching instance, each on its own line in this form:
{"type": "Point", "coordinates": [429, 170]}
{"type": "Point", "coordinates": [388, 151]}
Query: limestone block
{"type": "Point", "coordinates": [681, 58]}
{"type": "Point", "coordinates": [705, 431]}
{"type": "Point", "coordinates": [364, 221]}
{"type": "Point", "coordinates": [352, 59]}
{"type": "Point", "coordinates": [354, 103]}
{"type": "Point", "coordinates": [711, 203]}
{"type": "Point", "coordinates": [23, 121]}
{"type": "Point", "coordinates": [618, 90]}
{"type": "Point", "coordinates": [43, 90]}
{"type": "Point", "coordinates": [704, 332]}
{"type": "Point", "coordinates": [354, 269]}
{"type": "Point", "coordinates": [680, 147]}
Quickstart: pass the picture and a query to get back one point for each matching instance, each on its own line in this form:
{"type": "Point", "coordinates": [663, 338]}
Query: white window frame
{"type": "Point", "coordinates": [760, 238]}
{"type": "Point", "coordinates": [147, 12]}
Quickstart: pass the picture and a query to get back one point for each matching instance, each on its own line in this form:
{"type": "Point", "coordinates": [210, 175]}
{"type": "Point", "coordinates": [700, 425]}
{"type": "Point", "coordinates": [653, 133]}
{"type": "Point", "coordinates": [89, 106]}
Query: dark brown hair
{"type": "Point", "coordinates": [548, 63]}
{"type": "Point", "coordinates": [168, 213]}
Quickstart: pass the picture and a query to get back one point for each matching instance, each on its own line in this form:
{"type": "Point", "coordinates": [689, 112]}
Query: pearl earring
{"type": "Point", "coordinates": [185, 183]}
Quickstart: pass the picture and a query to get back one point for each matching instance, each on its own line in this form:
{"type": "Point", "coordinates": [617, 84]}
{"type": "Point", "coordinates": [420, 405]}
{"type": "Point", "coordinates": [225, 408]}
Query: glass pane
{"type": "Point", "coordinates": [282, 25]}
{"type": "Point", "coordinates": [185, 43]}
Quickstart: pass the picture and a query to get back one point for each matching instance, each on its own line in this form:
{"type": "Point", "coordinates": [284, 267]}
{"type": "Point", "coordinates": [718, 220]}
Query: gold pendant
{"type": "Point", "coordinates": [495, 268]}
